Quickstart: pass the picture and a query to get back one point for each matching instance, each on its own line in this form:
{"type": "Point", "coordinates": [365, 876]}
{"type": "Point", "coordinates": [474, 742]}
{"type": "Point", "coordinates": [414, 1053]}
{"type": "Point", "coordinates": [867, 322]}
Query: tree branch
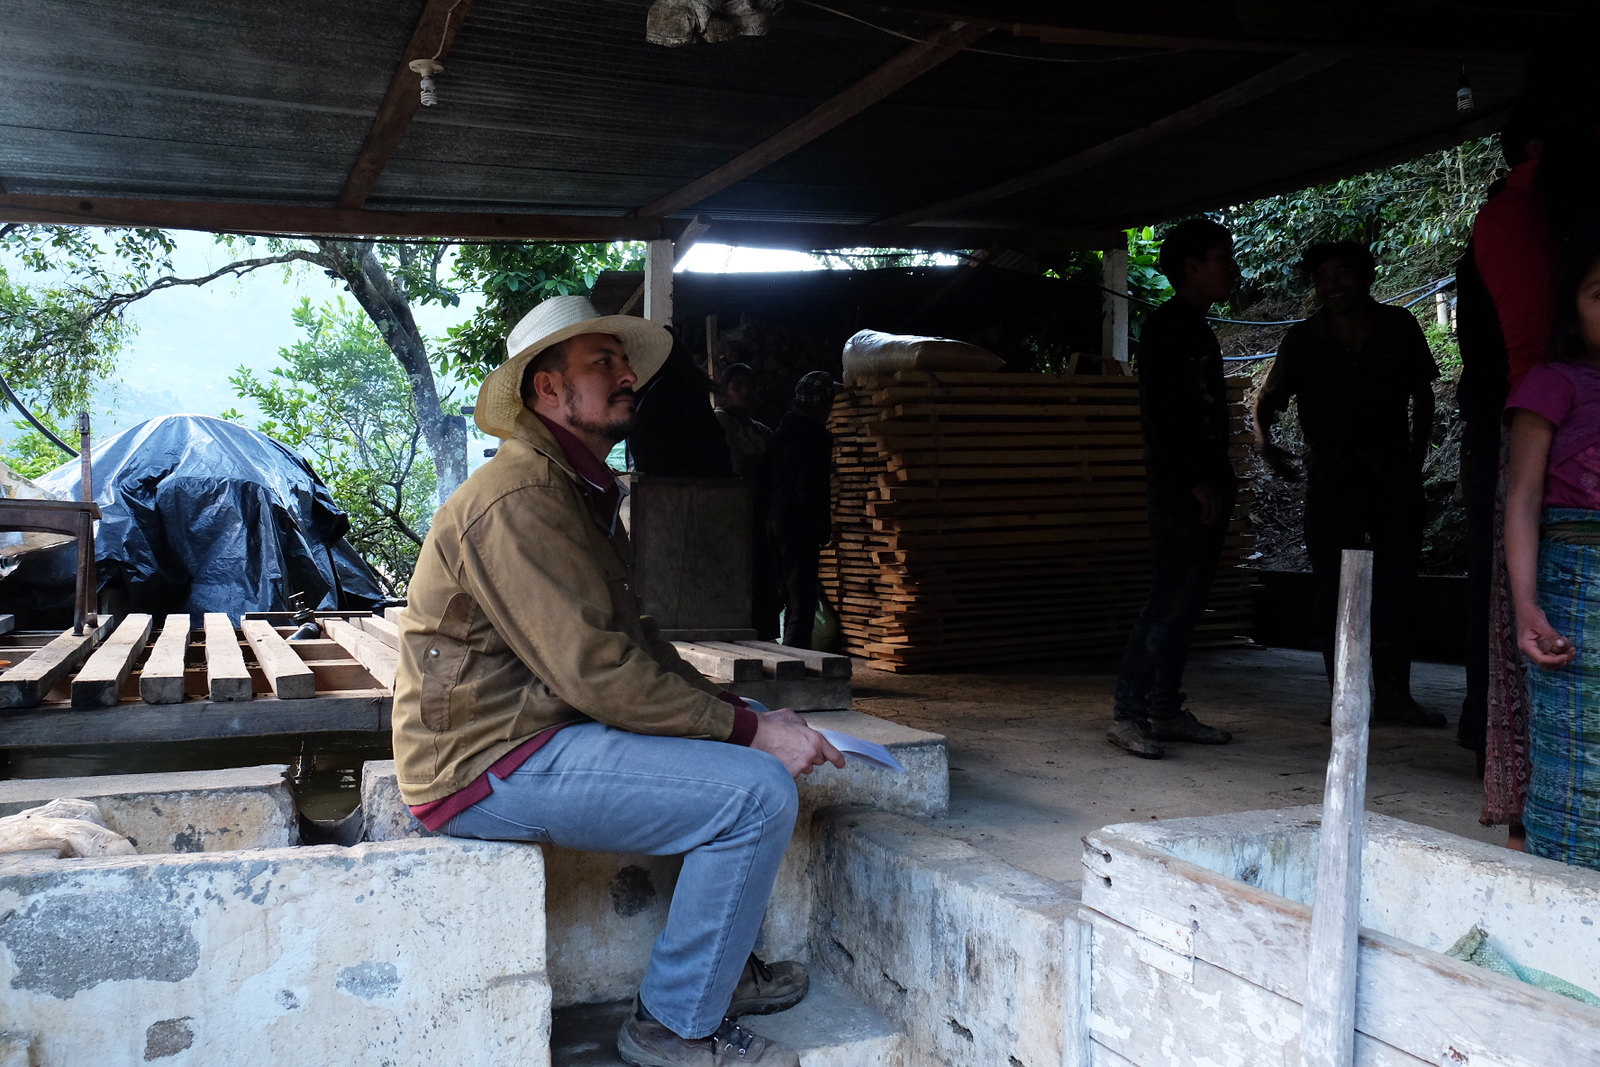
{"type": "Point", "coordinates": [239, 268]}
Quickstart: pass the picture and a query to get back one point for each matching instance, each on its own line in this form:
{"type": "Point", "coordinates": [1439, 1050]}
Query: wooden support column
{"type": "Point", "coordinates": [658, 282]}
{"type": "Point", "coordinates": [1328, 1021]}
{"type": "Point", "coordinates": [1114, 306]}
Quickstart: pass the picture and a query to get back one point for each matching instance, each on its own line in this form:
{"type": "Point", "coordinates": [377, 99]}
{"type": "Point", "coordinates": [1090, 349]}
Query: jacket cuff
{"type": "Point", "coordinates": [745, 722]}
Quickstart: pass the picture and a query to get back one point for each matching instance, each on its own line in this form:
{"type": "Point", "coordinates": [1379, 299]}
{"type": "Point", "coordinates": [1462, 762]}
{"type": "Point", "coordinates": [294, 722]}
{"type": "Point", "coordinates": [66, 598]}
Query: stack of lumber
{"type": "Point", "coordinates": [989, 517]}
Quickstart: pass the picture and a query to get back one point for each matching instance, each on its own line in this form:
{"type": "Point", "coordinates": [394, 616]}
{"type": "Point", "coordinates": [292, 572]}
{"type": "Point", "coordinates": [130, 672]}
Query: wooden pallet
{"type": "Point", "coordinates": [987, 517]}
{"type": "Point", "coordinates": [138, 682]}
{"type": "Point", "coordinates": [776, 675]}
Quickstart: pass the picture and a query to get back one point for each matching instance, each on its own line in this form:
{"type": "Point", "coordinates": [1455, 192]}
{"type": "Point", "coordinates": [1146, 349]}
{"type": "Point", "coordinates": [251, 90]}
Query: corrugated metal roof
{"type": "Point", "coordinates": [563, 107]}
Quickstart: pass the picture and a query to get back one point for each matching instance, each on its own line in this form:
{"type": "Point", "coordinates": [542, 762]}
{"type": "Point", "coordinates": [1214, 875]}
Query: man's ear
{"type": "Point", "coordinates": [544, 387]}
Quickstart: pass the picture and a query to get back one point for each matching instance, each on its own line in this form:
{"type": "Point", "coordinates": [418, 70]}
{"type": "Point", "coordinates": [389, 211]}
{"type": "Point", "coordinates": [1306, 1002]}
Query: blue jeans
{"type": "Point", "coordinates": [1183, 560]}
{"type": "Point", "coordinates": [729, 810]}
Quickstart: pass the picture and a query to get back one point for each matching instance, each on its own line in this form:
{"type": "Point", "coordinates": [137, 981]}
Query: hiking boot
{"type": "Point", "coordinates": [1405, 711]}
{"type": "Point", "coordinates": [1133, 735]}
{"type": "Point", "coordinates": [1183, 726]}
{"type": "Point", "coordinates": [647, 1043]}
{"type": "Point", "coordinates": [765, 988]}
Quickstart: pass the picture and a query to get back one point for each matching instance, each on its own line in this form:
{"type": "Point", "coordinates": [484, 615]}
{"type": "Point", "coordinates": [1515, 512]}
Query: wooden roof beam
{"type": "Point", "coordinates": [235, 217]}
{"type": "Point", "coordinates": [435, 33]}
{"type": "Point", "coordinates": [904, 68]}
{"type": "Point", "coordinates": [1196, 114]}
{"type": "Point", "coordinates": [1231, 26]}
{"type": "Point", "coordinates": [289, 220]}
{"type": "Point", "coordinates": [820, 237]}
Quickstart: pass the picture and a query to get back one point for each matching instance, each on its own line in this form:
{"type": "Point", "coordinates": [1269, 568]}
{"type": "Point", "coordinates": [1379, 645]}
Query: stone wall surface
{"type": "Point", "coordinates": [180, 811]}
{"type": "Point", "coordinates": [980, 962]}
{"type": "Point", "coordinates": [375, 954]}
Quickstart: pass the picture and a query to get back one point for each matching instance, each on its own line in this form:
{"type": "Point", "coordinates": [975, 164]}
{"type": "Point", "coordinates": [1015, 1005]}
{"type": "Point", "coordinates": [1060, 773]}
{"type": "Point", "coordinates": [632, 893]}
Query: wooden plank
{"type": "Point", "coordinates": [226, 675]}
{"type": "Point", "coordinates": [775, 662]}
{"type": "Point", "coordinates": [1328, 1027]}
{"type": "Point", "coordinates": [99, 682]}
{"type": "Point", "coordinates": [718, 665]}
{"type": "Point", "coordinates": [1415, 1000]}
{"type": "Point", "coordinates": [392, 614]}
{"type": "Point", "coordinates": [435, 33]}
{"type": "Point", "coordinates": [367, 650]}
{"type": "Point", "coordinates": [729, 633]}
{"type": "Point", "coordinates": [800, 694]}
{"type": "Point", "coordinates": [341, 674]}
{"type": "Point", "coordinates": [906, 66]}
{"type": "Point", "coordinates": [29, 682]}
{"type": "Point", "coordinates": [382, 629]}
{"type": "Point", "coordinates": [826, 664]}
{"type": "Point", "coordinates": [161, 679]}
{"type": "Point", "coordinates": [287, 674]}
{"type": "Point", "coordinates": [7, 623]}
{"type": "Point", "coordinates": [352, 711]}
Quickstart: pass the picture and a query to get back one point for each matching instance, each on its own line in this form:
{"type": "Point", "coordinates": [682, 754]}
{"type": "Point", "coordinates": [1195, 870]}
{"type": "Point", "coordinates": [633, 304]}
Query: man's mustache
{"type": "Point", "coordinates": [620, 393]}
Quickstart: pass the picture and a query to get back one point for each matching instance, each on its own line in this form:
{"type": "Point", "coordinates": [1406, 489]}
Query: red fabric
{"type": "Point", "coordinates": [744, 720]}
{"type": "Point", "coordinates": [436, 813]}
{"type": "Point", "coordinates": [1511, 247]}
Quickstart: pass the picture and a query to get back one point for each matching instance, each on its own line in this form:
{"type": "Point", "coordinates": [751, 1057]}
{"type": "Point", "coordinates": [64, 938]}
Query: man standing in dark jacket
{"type": "Point", "coordinates": [798, 511]}
{"type": "Point", "coordinates": [1361, 375]}
{"type": "Point", "coordinates": [1190, 487]}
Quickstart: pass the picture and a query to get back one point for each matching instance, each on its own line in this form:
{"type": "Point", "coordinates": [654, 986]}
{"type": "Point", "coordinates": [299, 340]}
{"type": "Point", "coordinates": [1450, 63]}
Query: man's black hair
{"type": "Point", "coordinates": [737, 370]}
{"type": "Point", "coordinates": [552, 359]}
{"type": "Point", "coordinates": [1354, 253]}
{"type": "Point", "coordinates": [1190, 239]}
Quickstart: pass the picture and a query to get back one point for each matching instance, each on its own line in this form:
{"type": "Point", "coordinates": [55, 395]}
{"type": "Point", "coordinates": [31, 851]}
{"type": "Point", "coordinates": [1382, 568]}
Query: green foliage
{"type": "Point", "coordinates": [1415, 217]}
{"type": "Point", "coordinates": [64, 332]}
{"type": "Point", "coordinates": [513, 278]}
{"type": "Point", "coordinates": [341, 399]}
{"type": "Point", "coordinates": [1145, 280]}
{"type": "Point", "coordinates": [1446, 350]}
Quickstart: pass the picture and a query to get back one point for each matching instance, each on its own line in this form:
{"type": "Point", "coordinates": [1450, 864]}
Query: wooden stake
{"type": "Point", "coordinates": [1328, 1021]}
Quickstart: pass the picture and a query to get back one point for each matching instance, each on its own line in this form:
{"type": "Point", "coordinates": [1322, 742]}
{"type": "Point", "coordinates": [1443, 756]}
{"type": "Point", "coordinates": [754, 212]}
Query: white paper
{"type": "Point", "coordinates": [870, 751]}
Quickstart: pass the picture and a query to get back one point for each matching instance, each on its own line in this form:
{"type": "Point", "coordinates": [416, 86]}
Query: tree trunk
{"type": "Point", "coordinates": [390, 311]}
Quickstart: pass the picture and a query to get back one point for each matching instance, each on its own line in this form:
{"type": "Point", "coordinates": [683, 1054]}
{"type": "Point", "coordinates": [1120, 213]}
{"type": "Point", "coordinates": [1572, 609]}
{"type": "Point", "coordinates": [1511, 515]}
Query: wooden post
{"type": "Point", "coordinates": [658, 282]}
{"type": "Point", "coordinates": [1114, 306]}
{"type": "Point", "coordinates": [1328, 1021]}
{"type": "Point", "coordinates": [87, 601]}
{"type": "Point", "coordinates": [713, 353]}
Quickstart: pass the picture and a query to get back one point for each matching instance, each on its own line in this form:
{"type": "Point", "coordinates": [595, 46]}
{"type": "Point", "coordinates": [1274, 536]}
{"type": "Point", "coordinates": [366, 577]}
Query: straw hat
{"type": "Point", "coordinates": [551, 322]}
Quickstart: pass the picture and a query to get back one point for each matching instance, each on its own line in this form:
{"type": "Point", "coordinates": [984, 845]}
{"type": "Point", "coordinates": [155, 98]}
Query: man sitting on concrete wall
{"type": "Point", "coordinates": [534, 703]}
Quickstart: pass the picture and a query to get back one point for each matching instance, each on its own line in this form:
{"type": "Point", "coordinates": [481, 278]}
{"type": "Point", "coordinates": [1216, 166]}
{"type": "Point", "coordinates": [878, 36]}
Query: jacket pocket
{"type": "Point", "coordinates": [442, 661]}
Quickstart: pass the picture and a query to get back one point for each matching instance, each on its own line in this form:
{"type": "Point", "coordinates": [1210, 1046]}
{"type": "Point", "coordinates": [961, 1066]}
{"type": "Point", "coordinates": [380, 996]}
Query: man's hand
{"type": "Point", "coordinates": [1540, 642]}
{"type": "Point", "coordinates": [798, 747]}
{"type": "Point", "coordinates": [1281, 461]}
{"type": "Point", "coordinates": [1210, 503]}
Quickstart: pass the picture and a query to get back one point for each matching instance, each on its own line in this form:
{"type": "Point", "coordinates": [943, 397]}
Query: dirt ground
{"type": "Point", "coordinates": [1031, 771]}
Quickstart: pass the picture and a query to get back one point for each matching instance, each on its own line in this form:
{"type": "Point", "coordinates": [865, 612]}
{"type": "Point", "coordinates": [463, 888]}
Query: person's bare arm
{"type": "Point", "coordinates": [1272, 398]}
{"type": "Point", "coordinates": [1530, 451]}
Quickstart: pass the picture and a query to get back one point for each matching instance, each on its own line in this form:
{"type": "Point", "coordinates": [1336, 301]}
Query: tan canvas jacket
{"type": "Point", "coordinates": [522, 615]}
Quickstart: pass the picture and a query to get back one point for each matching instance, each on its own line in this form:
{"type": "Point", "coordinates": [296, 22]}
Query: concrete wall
{"type": "Point", "coordinates": [369, 955]}
{"type": "Point", "coordinates": [184, 811]}
{"type": "Point", "coordinates": [980, 962]}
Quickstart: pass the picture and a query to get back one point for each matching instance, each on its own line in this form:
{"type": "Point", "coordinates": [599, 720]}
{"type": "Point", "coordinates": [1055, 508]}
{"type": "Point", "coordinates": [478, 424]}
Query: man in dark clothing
{"type": "Point", "coordinates": [798, 512]}
{"type": "Point", "coordinates": [675, 433]}
{"type": "Point", "coordinates": [1361, 375]}
{"type": "Point", "coordinates": [1183, 409]}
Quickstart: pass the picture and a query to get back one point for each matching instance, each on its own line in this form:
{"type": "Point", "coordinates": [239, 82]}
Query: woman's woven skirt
{"type": "Point", "coordinates": [1562, 808]}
